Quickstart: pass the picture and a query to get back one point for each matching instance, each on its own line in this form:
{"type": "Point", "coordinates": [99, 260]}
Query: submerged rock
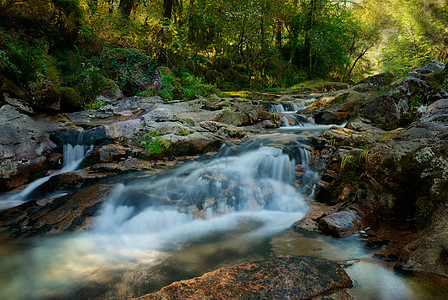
{"type": "Point", "coordinates": [289, 277]}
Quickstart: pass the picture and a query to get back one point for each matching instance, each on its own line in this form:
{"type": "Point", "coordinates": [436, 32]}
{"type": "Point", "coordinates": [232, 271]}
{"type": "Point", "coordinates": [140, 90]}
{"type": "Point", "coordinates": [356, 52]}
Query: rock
{"type": "Point", "coordinates": [25, 148]}
{"type": "Point", "coordinates": [289, 277]}
{"type": "Point", "coordinates": [47, 97]}
{"type": "Point", "coordinates": [49, 216]}
{"type": "Point", "coordinates": [107, 154]}
{"type": "Point", "coordinates": [112, 93]}
{"type": "Point", "coordinates": [398, 106]}
{"type": "Point", "coordinates": [70, 99]}
{"type": "Point", "coordinates": [15, 96]}
{"type": "Point", "coordinates": [428, 69]}
{"type": "Point", "coordinates": [435, 117]}
{"type": "Point", "coordinates": [379, 79]}
{"type": "Point", "coordinates": [429, 252]}
{"type": "Point", "coordinates": [341, 223]}
{"type": "Point", "coordinates": [327, 117]}
{"type": "Point", "coordinates": [230, 117]}
{"type": "Point", "coordinates": [128, 132]}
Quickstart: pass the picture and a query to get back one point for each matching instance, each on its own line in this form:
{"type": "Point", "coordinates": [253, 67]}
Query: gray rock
{"type": "Point", "coordinates": [341, 223]}
{"type": "Point", "coordinates": [25, 147]}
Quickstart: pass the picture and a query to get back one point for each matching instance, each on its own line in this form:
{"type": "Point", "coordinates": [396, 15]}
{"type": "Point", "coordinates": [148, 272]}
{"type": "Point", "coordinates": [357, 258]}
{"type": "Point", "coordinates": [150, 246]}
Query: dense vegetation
{"type": "Point", "coordinates": [90, 47]}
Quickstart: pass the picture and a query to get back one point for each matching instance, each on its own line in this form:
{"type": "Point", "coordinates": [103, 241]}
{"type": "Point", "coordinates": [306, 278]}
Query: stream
{"type": "Point", "coordinates": [235, 207]}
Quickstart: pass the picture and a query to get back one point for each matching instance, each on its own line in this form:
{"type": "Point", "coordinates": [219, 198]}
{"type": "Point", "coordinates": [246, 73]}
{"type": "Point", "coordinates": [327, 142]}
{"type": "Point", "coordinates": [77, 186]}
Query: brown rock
{"type": "Point", "coordinates": [49, 216]}
{"type": "Point", "coordinates": [289, 277]}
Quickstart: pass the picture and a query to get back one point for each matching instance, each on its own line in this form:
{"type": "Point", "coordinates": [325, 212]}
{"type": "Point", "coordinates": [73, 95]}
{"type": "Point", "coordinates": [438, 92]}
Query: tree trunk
{"type": "Point", "coordinates": [126, 7]}
{"type": "Point", "coordinates": [278, 33]}
{"type": "Point", "coordinates": [167, 9]}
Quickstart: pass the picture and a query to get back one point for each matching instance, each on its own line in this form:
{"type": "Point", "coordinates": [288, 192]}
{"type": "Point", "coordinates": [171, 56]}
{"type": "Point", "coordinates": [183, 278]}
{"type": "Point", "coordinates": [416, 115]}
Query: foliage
{"type": "Point", "coordinates": [183, 87]}
{"type": "Point", "coordinates": [94, 104]}
{"type": "Point", "coordinates": [253, 44]}
{"type": "Point", "coordinates": [130, 68]}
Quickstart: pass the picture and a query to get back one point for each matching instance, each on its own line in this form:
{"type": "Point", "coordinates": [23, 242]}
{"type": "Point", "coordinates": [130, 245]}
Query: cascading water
{"type": "Point", "coordinates": [156, 229]}
{"type": "Point", "coordinates": [73, 155]}
{"type": "Point", "coordinates": [255, 182]}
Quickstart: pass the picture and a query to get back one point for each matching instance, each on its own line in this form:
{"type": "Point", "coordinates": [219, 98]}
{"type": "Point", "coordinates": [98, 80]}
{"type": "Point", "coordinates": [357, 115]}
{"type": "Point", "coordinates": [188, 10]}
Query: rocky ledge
{"type": "Point", "coordinates": [386, 173]}
{"type": "Point", "coordinates": [289, 277]}
{"type": "Point", "coordinates": [141, 128]}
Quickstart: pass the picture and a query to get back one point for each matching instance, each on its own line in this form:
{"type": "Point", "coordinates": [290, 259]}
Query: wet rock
{"type": "Point", "coordinates": [289, 277]}
{"type": "Point", "coordinates": [25, 148]}
{"type": "Point", "coordinates": [49, 216]}
{"type": "Point", "coordinates": [107, 154]}
{"type": "Point", "coordinates": [341, 223]}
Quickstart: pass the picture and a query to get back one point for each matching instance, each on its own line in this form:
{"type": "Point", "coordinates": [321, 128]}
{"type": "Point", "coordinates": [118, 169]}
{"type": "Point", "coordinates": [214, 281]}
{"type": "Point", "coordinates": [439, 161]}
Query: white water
{"type": "Point", "coordinates": [313, 127]}
{"type": "Point", "coordinates": [72, 157]}
{"type": "Point", "coordinates": [239, 200]}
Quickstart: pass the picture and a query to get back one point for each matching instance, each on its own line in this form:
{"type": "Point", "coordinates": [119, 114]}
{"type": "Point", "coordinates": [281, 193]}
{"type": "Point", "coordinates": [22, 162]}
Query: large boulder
{"type": "Point", "coordinates": [12, 94]}
{"type": "Point", "coordinates": [289, 277]}
{"type": "Point", "coordinates": [398, 107]}
{"type": "Point", "coordinates": [71, 100]}
{"type": "Point", "coordinates": [25, 148]}
{"type": "Point", "coordinates": [47, 97]}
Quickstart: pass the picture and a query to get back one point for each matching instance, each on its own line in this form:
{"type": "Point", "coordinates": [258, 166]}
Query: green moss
{"type": "Point", "coordinates": [71, 99]}
{"type": "Point", "coordinates": [91, 84]}
{"type": "Point", "coordinates": [185, 132]}
{"type": "Point", "coordinates": [13, 89]}
{"type": "Point", "coordinates": [154, 144]}
{"type": "Point", "coordinates": [48, 68]}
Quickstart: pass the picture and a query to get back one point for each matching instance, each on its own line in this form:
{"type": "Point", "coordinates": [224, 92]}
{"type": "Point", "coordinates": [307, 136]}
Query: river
{"type": "Point", "coordinates": [234, 207]}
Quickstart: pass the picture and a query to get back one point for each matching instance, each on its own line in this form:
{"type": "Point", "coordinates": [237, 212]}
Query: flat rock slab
{"type": "Point", "coordinates": [289, 277]}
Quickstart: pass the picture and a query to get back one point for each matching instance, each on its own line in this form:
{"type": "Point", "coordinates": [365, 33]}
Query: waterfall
{"type": "Point", "coordinates": [200, 198]}
{"type": "Point", "coordinates": [286, 107]}
{"type": "Point", "coordinates": [72, 158]}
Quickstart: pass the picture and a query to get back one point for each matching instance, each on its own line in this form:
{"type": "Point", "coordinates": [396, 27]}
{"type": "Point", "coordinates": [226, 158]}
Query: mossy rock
{"type": "Point", "coordinates": [92, 84]}
{"type": "Point", "coordinates": [71, 100]}
{"type": "Point", "coordinates": [12, 94]}
{"type": "Point", "coordinates": [47, 97]}
{"type": "Point", "coordinates": [231, 118]}
{"type": "Point", "coordinates": [49, 70]}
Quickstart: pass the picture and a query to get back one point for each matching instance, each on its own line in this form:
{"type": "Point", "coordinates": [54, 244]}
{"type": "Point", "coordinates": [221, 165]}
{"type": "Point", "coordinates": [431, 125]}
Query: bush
{"type": "Point", "coordinates": [131, 69]}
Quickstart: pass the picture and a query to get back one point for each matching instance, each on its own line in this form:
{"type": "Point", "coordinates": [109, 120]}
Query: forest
{"type": "Point", "coordinates": [82, 47]}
